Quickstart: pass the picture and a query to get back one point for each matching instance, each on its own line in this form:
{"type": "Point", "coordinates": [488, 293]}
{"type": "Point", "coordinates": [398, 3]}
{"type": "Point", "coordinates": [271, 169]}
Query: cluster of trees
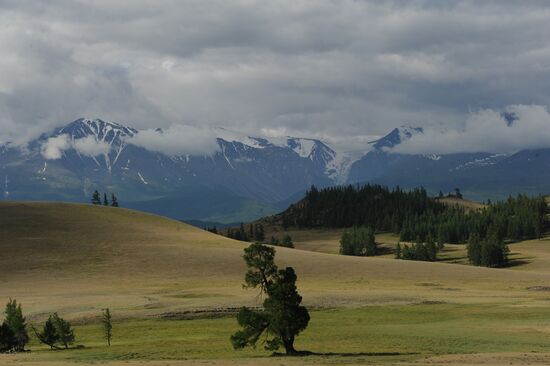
{"type": "Point", "coordinates": [358, 241]}
{"type": "Point", "coordinates": [515, 219]}
{"type": "Point", "coordinates": [57, 333]}
{"type": "Point", "coordinates": [421, 220]}
{"type": "Point", "coordinates": [419, 251]}
{"type": "Point", "coordinates": [282, 316]}
{"type": "Point", "coordinates": [13, 331]}
{"type": "Point", "coordinates": [373, 206]}
{"type": "Point", "coordinates": [489, 252]}
{"type": "Point", "coordinates": [255, 232]}
{"type": "Point", "coordinates": [285, 242]}
{"type": "Point", "coordinates": [96, 199]}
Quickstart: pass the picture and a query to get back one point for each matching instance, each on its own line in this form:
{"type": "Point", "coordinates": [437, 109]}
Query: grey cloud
{"type": "Point", "coordinates": [334, 69]}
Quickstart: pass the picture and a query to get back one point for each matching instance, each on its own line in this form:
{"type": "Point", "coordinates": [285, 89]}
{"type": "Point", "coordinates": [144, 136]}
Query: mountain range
{"type": "Point", "coordinates": [245, 177]}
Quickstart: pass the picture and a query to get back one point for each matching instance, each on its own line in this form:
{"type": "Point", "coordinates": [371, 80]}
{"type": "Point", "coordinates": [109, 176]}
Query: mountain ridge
{"type": "Point", "coordinates": [251, 175]}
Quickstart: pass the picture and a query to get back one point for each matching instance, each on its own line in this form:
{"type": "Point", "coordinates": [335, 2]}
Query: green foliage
{"type": "Point", "coordinates": [358, 241]}
{"type": "Point", "coordinates": [105, 200]}
{"type": "Point", "coordinates": [56, 331]}
{"type": "Point", "coordinates": [16, 322]}
{"type": "Point", "coordinates": [491, 252]}
{"type": "Point", "coordinates": [238, 234]}
{"type": "Point", "coordinates": [114, 200]}
{"type": "Point", "coordinates": [107, 322]}
{"type": "Point", "coordinates": [96, 199]}
{"type": "Point", "coordinates": [49, 335]}
{"type": "Point", "coordinates": [415, 216]}
{"type": "Point", "coordinates": [286, 242]}
{"type": "Point", "coordinates": [283, 317]}
{"type": "Point", "coordinates": [8, 342]}
{"type": "Point", "coordinates": [419, 251]}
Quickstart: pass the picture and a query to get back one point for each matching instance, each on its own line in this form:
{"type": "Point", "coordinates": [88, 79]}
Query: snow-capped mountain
{"type": "Point", "coordinates": [89, 154]}
{"type": "Point", "coordinates": [244, 177]}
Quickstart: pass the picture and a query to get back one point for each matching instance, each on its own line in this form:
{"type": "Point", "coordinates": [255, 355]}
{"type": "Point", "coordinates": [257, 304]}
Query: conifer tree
{"type": "Point", "coordinates": [16, 322]}
{"type": "Point", "coordinates": [49, 335]}
{"type": "Point", "coordinates": [287, 242]}
{"type": "Point", "coordinates": [106, 320]}
{"type": "Point", "coordinates": [114, 200]}
{"type": "Point", "coordinates": [7, 338]}
{"type": "Point", "coordinates": [64, 330]}
{"type": "Point", "coordinates": [96, 199]}
{"type": "Point", "coordinates": [283, 317]}
{"type": "Point", "coordinates": [105, 200]}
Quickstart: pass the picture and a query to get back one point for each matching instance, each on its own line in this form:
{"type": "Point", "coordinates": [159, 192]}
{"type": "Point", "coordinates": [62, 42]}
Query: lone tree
{"type": "Point", "coordinates": [96, 199]}
{"type": "Point", "coordinates": [106, 320]}
{"type": "Point", "coordinates": [16, 322]}
{"type": "Point", "coordinates": [282, 317]}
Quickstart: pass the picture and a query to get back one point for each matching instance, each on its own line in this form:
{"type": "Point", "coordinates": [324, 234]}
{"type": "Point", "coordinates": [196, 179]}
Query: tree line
{"type": "Point", "coordinates": [57, 333]}
{"type": "Point", "coordinates": [419, 220]}
{"type": "Point", "coordinates": [96, 199]}
{"type": "Point", "coordinates": [254, 233]}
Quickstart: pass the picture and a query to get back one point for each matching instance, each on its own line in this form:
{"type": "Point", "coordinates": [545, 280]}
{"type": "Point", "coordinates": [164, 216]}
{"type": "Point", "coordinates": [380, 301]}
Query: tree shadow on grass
{"type": "Point", "coordinates": [517, 262]}
{"type": "Point", "coordinates": [343, 354]}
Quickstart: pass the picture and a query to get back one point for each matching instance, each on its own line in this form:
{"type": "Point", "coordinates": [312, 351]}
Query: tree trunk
{"type": "Point", "coordinates": [289, 346]}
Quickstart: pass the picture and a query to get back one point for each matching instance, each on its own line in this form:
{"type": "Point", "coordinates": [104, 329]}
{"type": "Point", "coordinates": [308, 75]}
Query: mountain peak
{"type": "Point", "coordinates": [396, 136]}
{"type": "Point", "coordinates": [105, 131]}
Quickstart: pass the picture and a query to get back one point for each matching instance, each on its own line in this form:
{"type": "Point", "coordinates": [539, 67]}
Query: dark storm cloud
{"type": "Point", "coordinates": [341, 70]}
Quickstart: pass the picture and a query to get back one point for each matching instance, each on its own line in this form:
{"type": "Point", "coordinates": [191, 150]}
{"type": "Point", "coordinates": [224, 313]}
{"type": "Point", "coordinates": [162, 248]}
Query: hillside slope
{"type": "Point", "coordinates": [77, 259]}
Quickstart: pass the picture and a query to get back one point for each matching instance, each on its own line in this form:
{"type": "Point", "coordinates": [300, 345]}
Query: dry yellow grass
{"type": "Point", "coordinates": [464, 203]}
{"type": "Point", "coordinates": [78, 259]}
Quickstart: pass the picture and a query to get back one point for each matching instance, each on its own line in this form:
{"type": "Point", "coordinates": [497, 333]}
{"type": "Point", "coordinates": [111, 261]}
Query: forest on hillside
{"type": "Point", "coordinates": [414, 215]}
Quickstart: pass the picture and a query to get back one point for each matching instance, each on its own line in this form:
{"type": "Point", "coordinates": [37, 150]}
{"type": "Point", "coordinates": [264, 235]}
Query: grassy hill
{"type": "Point", "coordinates": [77, 259]}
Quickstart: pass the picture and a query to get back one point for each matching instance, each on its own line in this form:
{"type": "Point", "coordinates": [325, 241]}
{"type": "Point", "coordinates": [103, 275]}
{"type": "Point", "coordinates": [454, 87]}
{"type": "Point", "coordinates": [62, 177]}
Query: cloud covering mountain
{"type": "Point", "coordinates": [342, 71]}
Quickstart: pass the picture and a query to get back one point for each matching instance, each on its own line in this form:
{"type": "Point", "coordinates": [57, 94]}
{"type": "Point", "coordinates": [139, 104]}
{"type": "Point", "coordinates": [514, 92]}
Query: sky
{"type": "Point", "coordinates": [344, 71]}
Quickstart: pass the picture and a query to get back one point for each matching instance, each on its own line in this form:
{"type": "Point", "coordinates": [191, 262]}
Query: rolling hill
{"type": "Point", "coordinates": [79, 258]}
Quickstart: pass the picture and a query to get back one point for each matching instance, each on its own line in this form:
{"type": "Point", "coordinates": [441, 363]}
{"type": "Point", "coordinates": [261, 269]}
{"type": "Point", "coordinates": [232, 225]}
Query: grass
{"type": "Point", "coordinates": [78, 259]}
{"type": "Point", "coordinates": [381, 334]}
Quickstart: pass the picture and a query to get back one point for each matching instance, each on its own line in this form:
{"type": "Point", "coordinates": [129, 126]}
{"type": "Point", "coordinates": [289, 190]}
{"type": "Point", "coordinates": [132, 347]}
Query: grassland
{"type": "Point", "coordinates": [77, 259]}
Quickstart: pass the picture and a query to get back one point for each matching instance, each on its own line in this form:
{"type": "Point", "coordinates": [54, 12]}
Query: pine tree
{"type": "Point", "coordinates": [64, 330]}
{"type": "Point", "coordinates": [114, 200]}
{"type": "Point", "coordinates": [49, 335]}
{"type": "Point", "coordinates": [287, 242]}
{"type": "Point", "coordinates": [398, 251]}
{"type": "Point", "coordinates": [7, 338]}
{"type": "Point", "coordinates": [106, 320]}
{"type": "Point", "coordinates": [96, 199]}
{"type": "Point", "coordinates": [16, 321]}
{"type": "Point", "coordinates": [283, 317]}
{"type": "Point", "coordinates": [105, 200]}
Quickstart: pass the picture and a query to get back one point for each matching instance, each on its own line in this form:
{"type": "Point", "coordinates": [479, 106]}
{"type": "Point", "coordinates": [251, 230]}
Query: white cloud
{"type": "Point", "coordinates": [177, 140]}
{"type": "Point", "coordinates": [54, 147]}
{"type": "Point", "coordinates": [89, 146]}
{"type": "Point", "coordinates": [516, 128]}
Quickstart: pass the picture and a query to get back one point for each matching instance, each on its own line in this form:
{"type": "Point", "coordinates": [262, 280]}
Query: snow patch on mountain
{"type": "Point", "coordinates": [487, 161]}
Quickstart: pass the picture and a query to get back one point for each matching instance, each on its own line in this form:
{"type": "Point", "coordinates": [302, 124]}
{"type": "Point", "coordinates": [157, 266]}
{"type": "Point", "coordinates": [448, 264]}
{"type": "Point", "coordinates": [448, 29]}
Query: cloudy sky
{"type": "Point", "coordinates": [340, 70]}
